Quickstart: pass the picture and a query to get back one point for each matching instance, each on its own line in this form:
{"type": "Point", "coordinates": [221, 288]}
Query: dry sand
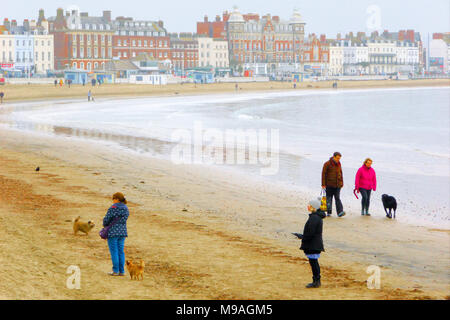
{"type": "Point", "coordinates": [46, 92]}
{"type": "Point", "coordinates": [203, 234]}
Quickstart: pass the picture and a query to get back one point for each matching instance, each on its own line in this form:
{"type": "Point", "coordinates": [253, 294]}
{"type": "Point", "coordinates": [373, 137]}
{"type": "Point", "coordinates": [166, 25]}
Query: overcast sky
{"type": "Point", "coordinates": [321, 16]}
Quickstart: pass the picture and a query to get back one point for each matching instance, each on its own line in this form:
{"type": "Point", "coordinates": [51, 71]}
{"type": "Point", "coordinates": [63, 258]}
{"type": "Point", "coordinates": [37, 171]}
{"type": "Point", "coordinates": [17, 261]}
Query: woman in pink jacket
{"type": "Point", "coordinates": [365, 182]}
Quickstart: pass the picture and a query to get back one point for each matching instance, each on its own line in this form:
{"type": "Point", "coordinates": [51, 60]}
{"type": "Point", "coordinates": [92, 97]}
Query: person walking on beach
{"type": "Point", "coordinates": [365, 182]}
{"type": "Point", "coordinates": [332, 182]}
{"type": "Point", "coordinates": [89, 95]}
{"type": "Point", "coordinates": [117, 217]}
{"type": "Point", "coordinates": [2, 94]}
{"type": "Point", "coordinates": [56, 83]}
{"type": "Point", "coordinates": [312, 243]}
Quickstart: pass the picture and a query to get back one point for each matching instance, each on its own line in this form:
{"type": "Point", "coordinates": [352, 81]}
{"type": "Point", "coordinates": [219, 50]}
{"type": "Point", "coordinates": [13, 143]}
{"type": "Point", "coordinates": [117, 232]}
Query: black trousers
{"type": "Point", "coordinates": [315, 267]}
{"type": "Point", "coordinates": [336, 193]}
{"type": "Point", "coordinates": [365, 198]}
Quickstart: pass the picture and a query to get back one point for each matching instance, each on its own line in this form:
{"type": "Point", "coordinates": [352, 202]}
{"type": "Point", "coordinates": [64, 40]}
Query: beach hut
{"type": "Point", "coordinates": [76, 76]}
{"type": "Point", "coordinates": [154, 79]}
{"type": "Point", "coordinates": [201, 76]}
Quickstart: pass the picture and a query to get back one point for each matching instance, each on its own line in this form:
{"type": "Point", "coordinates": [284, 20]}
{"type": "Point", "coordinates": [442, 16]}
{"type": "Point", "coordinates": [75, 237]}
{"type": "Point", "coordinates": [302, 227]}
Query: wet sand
{"type": "Point", "coordinates": [48, 92]}
{"type": "Point", "coordinates": [203, 233]}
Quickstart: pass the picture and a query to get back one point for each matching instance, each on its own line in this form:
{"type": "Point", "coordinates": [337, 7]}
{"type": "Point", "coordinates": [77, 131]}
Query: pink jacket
{"type": "Point", "coordinates": [366, 179]}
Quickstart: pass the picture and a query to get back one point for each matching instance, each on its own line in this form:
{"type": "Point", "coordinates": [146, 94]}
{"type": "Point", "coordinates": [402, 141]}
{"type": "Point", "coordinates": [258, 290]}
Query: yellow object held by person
{"type": "Point", "coordinates": [323, 201]}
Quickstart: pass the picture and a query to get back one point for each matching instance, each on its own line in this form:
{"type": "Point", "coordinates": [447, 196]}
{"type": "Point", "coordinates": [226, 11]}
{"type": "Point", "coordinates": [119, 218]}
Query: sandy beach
{"type": "Point", "coordinates": [203, 234]}
{"type": "Point", "coordinates": [48, 92]}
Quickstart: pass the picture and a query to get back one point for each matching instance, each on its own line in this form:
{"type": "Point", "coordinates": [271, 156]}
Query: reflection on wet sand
{"type": "Point", "coordinates": [151, 146]}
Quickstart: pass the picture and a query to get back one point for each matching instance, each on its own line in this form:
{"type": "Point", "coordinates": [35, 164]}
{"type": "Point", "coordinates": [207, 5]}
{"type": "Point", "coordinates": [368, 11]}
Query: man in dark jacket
{"type": "Point", "coordinates": [332, 182]}
{"type": "Point", "coordinates": [312, 243]}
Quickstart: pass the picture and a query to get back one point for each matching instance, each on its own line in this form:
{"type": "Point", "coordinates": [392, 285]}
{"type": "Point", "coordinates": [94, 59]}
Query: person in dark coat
{"type": "Point", "coordinates": [312, 243]}
{"type": "Point", "coordinates": [117, 215]}
{"type": "Point", "coordinates": [332, 182]}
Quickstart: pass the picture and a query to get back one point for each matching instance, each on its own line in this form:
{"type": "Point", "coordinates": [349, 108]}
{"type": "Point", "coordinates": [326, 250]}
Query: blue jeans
{"type": "Point", "coordinates": [116, 246]}
{"type": "Point", "coordinates": [365, 200]}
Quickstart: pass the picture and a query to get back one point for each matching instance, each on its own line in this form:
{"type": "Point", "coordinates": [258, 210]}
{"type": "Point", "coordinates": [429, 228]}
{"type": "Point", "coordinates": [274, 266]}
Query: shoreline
{"type": "Point", "coordinates": [231, 226]}
{"type": "Point", "coordinates": [47, 92]}
{"type": "Point", "coordinates": [130, 143]}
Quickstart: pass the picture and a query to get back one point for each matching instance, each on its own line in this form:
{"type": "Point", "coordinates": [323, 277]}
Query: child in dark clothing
{"type": "Point", "coordinates": [312, 243]}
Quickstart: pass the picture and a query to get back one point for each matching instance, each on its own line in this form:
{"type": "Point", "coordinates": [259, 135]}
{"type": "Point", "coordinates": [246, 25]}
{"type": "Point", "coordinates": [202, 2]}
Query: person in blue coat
{"type": "Point", "coordinates": [117, 217]}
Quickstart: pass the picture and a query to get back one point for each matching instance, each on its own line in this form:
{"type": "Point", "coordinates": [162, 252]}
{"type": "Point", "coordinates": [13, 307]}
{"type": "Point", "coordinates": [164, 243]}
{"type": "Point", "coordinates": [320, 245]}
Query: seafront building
{"type": "Point", "coordinates": [268, 39]}
{"type": "Point", "coordinates": [184, 52]}
{"type": "Point", "coordinates": [439, 60]}
{"type": "Point", "coordinates": [248, 44]}
{"type": "Point", "coordinates": [134, 37]}
{"type": "Point", "coordinates": [388, 53]}
{"type": "Point", "coordinates": [28, 49]}
{"type": "Point", "coordinates": [213, 52]}
{"type": "Point", "coordinates": [81, 42]}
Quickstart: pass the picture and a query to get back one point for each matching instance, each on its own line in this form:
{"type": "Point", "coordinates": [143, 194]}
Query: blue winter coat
{"type": "Point", "coordinates": [119, 229]}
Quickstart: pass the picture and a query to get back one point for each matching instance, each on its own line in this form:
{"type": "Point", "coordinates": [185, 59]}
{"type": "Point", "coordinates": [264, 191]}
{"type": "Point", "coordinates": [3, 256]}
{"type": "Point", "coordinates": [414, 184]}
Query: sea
{"type": "Point", "coordinates": [405, 131]}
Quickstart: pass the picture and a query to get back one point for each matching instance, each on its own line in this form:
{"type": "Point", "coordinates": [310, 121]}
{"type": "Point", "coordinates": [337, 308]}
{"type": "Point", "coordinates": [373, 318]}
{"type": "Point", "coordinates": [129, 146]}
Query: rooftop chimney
{"type": "Point", "coordinates": [107, 15]}
{"type": "Point", "coordinates": [41, 16]}
{"type": "Point", "coordinates": [84, 14]}
{"type": "Point", "coordinates": [217, 18]}
{"type": "Point", "coordinates": [26, 25]}
{"type": "Point", "coordinates": [161, 24]}
{"type": "Point", "coordinates": [205, 19]}
{"type": "Point", "coordinates": [6, 23]}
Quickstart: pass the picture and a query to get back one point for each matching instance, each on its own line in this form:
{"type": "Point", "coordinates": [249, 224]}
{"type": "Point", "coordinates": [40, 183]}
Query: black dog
{"type": "Point", "coordinates": [390, 203]}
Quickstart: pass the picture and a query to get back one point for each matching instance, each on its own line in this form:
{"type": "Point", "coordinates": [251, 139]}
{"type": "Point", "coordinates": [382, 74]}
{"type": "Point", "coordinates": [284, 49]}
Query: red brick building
{"type": "Point", "coordinates": [132, 38]}
{"type": "Point", "coordinates": [316, 50]}
{"type": "Point", "coordinates": [213, 29]}
{"type": "Point", "coordinates": [184, 51]}
{"type": "Point", "coordinates": [268, 39]}
{"type": "Point", "coordinates": [81, 42]}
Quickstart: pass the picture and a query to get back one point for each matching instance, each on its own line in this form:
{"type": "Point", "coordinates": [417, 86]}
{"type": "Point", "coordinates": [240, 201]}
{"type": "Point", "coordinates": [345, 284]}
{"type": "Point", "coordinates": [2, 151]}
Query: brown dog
{"type": "Point", "coordinates": [82, 226]}
{"type": "Point", "coordinates": [135, 270]}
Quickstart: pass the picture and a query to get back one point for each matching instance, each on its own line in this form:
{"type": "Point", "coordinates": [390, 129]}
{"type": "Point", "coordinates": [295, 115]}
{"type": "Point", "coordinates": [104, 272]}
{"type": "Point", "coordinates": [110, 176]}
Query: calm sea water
{"type": "Point", "coordinates": [405, 131]}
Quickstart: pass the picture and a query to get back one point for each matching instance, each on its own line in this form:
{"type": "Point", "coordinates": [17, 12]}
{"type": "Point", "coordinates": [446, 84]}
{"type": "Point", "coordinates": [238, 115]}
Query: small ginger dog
{"type": "Point", "coordinates": [135, 270]}
{"type": "Point", "coordinates": [85, 227]}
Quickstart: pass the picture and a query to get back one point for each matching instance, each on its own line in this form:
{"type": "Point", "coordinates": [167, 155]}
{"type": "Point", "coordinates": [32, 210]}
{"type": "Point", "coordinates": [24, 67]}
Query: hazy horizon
{"type": "Point", "coordinates": [321, 17]}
